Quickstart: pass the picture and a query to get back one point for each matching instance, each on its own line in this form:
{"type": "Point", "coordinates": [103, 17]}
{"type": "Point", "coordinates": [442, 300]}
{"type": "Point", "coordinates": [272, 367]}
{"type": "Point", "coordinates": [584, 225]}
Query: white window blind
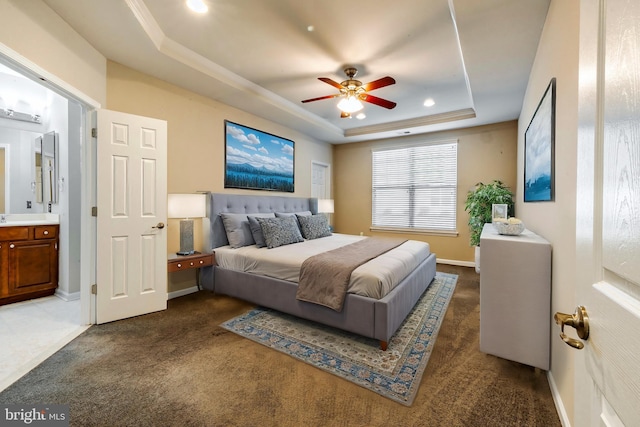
{"type": "Point", "coordinates": [416, 187]}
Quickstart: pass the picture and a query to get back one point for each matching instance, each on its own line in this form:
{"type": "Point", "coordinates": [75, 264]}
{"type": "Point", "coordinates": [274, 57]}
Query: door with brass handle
{"type": "Point", "coordinates": [578, 320]}
{"type": "Point", "coordinates": [160, 225]}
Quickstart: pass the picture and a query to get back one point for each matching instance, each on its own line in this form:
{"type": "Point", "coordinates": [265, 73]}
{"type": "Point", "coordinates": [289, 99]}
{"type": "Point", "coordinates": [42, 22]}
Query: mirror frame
{"type": "Point", "coordinates": [45, 166]}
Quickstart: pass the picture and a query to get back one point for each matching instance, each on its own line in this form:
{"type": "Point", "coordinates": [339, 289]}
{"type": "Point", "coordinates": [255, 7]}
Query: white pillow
{"type": "Point", "coordinates": [238, 229]}
{"type": "Point", "coordinates": [256, 230]}
{"type": "Point", "coordinates": [293, 214]}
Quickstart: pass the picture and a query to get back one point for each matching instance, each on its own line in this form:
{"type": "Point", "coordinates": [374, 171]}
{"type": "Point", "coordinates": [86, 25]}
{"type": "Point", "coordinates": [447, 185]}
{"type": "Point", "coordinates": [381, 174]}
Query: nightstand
{"type": "Point", "coordinates": [186, 262]}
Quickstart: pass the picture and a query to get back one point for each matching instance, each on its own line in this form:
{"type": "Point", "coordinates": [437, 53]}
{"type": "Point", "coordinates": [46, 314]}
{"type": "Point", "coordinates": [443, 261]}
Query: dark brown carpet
{"type": "Point", "coordinates": [178, 368]}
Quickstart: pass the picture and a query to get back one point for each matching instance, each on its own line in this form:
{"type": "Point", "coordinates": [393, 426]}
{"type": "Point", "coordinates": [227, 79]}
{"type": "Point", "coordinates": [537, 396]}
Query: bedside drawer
{"type": "Point", "coordinates": [188, 262]}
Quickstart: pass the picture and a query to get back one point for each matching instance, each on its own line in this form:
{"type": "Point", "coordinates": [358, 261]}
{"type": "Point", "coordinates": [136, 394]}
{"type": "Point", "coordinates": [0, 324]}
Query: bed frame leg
{"type": "Point", "coordinates": [383, 345]}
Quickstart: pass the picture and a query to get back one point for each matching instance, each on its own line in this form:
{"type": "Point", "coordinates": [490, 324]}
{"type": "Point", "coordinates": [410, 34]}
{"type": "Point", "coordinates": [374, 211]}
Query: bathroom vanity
{"type": "Point", "coordinates": [28, 256]}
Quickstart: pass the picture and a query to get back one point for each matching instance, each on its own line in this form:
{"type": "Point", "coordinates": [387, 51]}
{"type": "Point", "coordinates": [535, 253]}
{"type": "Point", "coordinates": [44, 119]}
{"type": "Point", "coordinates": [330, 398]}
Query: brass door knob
{"type": "Point", "coordinates": [578, 320]}
{"type": "Point", "coordinates": [160, 225]}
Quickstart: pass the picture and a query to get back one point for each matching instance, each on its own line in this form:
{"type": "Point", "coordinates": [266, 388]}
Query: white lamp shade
{"type": "Point", "coordinates": [350, 104]}
{"type": "Point", "coordinates": [325, 205]}
{"type": "Point", "coordinates": [187, 205]}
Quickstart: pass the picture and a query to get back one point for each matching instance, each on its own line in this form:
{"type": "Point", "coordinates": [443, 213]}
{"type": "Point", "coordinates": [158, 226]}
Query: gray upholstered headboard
{"type": "Point", "coordinates": [240, 203]}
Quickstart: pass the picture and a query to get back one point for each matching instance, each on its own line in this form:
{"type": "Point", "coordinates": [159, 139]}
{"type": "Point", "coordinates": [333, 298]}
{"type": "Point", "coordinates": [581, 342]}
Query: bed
{"type": "Point", "coordinates": [373, 317]}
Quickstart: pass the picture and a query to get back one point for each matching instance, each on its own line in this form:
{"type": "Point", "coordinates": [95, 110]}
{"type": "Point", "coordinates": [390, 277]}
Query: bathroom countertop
{"type": "Point", "coordinates": [30, 219]}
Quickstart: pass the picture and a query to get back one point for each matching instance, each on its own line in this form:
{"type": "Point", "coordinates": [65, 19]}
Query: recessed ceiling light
{"type": "Point", "coordinates": [197, 6]}
{"type": "Point", "coordinates": [361, 116]}
{"type": "Point", "coordinates": [429, 102]}
{"type": "Point", "coordinates": [311, 28]}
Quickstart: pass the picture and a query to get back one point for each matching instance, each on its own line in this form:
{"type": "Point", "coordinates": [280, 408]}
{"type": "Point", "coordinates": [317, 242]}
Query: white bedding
{"type": "Point", "coordinates": [373, 279]}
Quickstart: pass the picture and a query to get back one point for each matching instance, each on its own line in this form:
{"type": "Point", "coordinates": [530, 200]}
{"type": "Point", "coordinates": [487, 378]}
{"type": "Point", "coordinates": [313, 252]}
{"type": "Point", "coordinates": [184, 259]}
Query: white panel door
{"type": "Point", "coordinates": [320, 184]}
{"type": "Point", "coordinates": [132, 210]}
{"type": "Point", "coordinates": [608, 214]}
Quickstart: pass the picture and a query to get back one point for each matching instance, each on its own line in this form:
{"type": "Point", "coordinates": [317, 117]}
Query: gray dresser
{"type": "Point", "coordinates": [515, 297]}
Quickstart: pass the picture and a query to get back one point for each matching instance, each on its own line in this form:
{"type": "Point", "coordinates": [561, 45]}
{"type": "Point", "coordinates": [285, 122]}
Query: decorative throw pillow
{"type": "Point", "coordinates": [256, 230]}
{"type": "Point", "coordinates": [302, 213]}
{"type": "Point", "coordinates": [293, 214]}
{"type": "Point", "coordinates": [280, 231]}
{"type": "Point", "coordinates": [314, 226]}
{"type": "Point", "coordinates": [237, 228]}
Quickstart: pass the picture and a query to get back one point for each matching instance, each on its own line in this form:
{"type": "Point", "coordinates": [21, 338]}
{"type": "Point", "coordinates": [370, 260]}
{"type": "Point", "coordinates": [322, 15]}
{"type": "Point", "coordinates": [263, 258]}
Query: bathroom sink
{"type": "Point", "coordinates": [29, 219]}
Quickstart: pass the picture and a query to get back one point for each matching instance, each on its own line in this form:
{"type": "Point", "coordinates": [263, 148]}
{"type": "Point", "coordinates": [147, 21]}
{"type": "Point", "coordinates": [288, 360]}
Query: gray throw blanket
{"type": "Point", "coordinates": [324, 278]}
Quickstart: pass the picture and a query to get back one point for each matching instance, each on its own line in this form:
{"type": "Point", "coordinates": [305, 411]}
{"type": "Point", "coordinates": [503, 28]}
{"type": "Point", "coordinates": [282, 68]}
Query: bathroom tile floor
{"type": "Point", "coordinates": [33, 330]}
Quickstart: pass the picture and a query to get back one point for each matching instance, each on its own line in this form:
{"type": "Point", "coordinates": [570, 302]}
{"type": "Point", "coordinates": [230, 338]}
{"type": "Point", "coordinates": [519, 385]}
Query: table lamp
{"type": "Point", "coordinates": [326, 206]}
{"type": "Point", "coordinates": [186, 207]}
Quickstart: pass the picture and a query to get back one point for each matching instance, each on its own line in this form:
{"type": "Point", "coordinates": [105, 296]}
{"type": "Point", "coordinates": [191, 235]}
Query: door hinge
{"type": "Point", "coordinates": [94, 289]}
{"type": "Point", "coordinates": [94, 211]}
{"type": "Point", "coordinates": [94, 132]}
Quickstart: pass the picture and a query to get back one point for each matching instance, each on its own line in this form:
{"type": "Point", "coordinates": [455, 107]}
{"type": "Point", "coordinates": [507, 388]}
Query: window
{"type": "Point", "coordinates": [415, 187]}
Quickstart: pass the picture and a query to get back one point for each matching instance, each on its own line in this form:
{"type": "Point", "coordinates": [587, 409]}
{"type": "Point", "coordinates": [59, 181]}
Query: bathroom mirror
{"type": "Point", "coordinates": [46, 168]}
{"type": "Point", "coordinates": [27, 143]}
{"type": "Point", "coordinates": [3, 178]}
{"type": "Point", "coordinates": [29, 161]}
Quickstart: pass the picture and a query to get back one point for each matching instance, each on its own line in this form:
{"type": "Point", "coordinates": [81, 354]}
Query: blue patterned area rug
{"type": "Point", "coordinates": [395, 373]}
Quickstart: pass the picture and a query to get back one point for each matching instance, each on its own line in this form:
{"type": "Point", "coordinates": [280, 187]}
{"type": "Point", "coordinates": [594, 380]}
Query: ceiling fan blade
{"type": "Point", "coordinates": [330, 82]}
{"type": "Point", "coordinates": [377, 84]}
{"type": "Point", "coordinates": [321, 97]}
{"type": "Point", "coordinates": [378, 101]}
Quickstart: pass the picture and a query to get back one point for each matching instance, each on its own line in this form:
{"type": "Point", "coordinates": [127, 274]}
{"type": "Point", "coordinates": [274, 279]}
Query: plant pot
{"type": "Point", "coordinates": [479, 204]}
{"type": "Point", "coordinates": [477, 258]}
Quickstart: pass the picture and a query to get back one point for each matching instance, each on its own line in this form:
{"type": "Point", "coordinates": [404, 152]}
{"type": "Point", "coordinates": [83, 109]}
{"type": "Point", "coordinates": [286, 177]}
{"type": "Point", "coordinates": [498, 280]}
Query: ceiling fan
{"type": "Point", "coordinates": [353, 91]}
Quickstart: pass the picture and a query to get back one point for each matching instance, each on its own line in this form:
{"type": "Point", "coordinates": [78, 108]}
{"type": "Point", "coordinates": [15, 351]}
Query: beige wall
{"type": "Point", "coordinates": [485, 153]}
{"type": "Point", "coordinates": [196, 141]}
{"type": "Point", "coordinates": [33, 30]}
{"type": "Point", "coordinates": [557, 57]}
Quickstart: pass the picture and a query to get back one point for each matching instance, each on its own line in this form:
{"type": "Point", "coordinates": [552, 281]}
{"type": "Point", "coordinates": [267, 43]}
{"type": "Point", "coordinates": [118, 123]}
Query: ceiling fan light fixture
{"type": "Point", "coordinates": [197, 6]}
{"type": "Point", "coordinates": [350, 104]}
{"type": "Point", "coordinates": [353, 91]}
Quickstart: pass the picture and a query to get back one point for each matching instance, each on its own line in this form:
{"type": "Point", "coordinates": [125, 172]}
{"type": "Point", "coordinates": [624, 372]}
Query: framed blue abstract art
{"type": "Point", "coordinates": [539, 149]}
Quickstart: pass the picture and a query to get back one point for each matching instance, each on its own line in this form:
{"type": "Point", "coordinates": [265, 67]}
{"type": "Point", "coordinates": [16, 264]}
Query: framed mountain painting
{"type": "Point", "coordinates": [257, 160]}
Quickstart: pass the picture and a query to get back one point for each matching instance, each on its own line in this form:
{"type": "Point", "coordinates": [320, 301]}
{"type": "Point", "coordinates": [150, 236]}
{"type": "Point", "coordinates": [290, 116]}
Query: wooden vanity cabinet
{"type": "Point", "coordinates": [28, 262]}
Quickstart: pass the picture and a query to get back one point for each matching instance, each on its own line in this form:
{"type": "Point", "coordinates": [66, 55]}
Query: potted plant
{"type": "Point", "coordinates": [479, 204]}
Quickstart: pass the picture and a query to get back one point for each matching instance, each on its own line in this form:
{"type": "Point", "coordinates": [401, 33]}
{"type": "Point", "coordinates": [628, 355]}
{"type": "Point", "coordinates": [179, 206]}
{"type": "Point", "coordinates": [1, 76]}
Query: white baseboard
{"type": "Point", "coordinates": [557, 400]}
{"type": "Point", "coordinates": [456, 262]}
{"type": "Point", "coordinates": [182, 292]}
{"type": "Point", "coordinates": [66, 296]}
